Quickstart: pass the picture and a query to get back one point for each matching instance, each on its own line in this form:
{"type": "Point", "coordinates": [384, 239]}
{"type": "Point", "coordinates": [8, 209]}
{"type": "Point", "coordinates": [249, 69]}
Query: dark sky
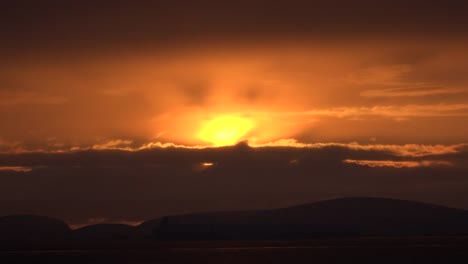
{"type": "Point", "coordinates": [108, 109]}
{"type": "Point", "coordinates": [70, 26]}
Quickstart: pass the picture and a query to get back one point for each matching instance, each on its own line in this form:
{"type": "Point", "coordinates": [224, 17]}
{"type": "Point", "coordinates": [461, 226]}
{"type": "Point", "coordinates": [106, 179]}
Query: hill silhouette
{"type": "Point", "coordinates": [103, 231]}
{"type": "Point", "coordinates": [339, 217]}
{"type": "Point", "coordinates": [361, 216]}
{"type": "Point", "coordinates": [32, 227]}
{"type": "Point", "coordinates": [145, 229]}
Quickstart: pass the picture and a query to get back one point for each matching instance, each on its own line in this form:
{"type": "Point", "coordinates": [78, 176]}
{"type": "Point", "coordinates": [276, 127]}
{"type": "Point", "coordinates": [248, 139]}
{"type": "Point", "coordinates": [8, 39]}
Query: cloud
{"type": "Point", "coordinates": [16, 168]}
{"type": "Point", "coordinates": [153, 145]}
{"type": "Point", "coordinates": [115, 185]}
{"type": "Point", "coordinates": [101, 220]}
{"type": "Point", "coordinates": [392, 111]}
{"type": "Point", "coordinates": [196, 93]}
{"type": "Point", "coordinates": [406, 150]}
{"type": "Point", "coordinates": [387, 75]}
{"type": "Point", "coordinates": [113, 144]}
{"type": "Point", "coordinates": [399, 164]}
{"type": "Point", "coordinates": [403, 150]}
{"type": "Point", "coordinates": [411, 92]}
{"type": "Point", "coordinates": [400, 80]}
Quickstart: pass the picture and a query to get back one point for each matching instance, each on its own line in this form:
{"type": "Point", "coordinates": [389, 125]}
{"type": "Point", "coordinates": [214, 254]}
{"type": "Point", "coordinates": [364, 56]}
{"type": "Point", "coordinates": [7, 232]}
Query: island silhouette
{"type": "Point", "coordinates": [343, 217]}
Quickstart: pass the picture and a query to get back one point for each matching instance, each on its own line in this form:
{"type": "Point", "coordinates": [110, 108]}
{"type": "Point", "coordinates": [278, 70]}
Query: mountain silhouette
{"type": "Point", "coordinates": [145, 229]}
{"type": "Point", "coordinates": [32, 227]}
{"type": "Point", "coordinates": [103, 231]}
{"type": "Point", "coordinates": [331, 218]}
{"type": "Point", "coordinates": [338, 217]}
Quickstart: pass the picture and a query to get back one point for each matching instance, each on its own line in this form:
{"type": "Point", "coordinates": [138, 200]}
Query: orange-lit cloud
{"type": "Point", "coordinates": [392, 111]}
{"type": "Point", "coordinates": [404, 150]}
{"type": "Point", "coordinates": [16, 168]}
{"type": "Point", "coordinates": [399, 164]}
{"type": "Point", "coordinates": [103, 220]}
{"type": "Point", "coordinates": [113, 144]}
{"type": "Point", "coordinates": [407, 150]}
{"type": "Point", "coordinates": [412, 92]}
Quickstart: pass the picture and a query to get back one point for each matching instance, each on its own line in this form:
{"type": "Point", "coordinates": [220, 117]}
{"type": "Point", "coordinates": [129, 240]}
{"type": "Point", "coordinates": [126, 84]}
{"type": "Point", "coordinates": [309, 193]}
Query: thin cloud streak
{"type": "Point", "coordinates": [16, 168]}
{"type": "Point", "coordinates": [103, 220]}
{"type": "Point", "coordinates": [393, 111]}
{"type": "Point", "coordinates": [399, 164]}
{"type": "Point", "coordinates": [411, 92]}
{"type": "Point", "coordinates": [407, 150]}
{"type": "Point", "coordinates": [113, 144]}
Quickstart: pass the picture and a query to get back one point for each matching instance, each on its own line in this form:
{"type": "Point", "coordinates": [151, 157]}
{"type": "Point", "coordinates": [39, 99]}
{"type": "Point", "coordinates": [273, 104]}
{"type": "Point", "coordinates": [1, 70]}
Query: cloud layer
{"type": "Point", "coordinates": [133, 186]}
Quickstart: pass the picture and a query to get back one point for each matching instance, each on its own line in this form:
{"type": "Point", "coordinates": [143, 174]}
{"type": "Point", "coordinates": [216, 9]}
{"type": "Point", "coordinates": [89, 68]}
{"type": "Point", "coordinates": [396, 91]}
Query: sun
{"type": "Point", "coordinates": [225, 130]}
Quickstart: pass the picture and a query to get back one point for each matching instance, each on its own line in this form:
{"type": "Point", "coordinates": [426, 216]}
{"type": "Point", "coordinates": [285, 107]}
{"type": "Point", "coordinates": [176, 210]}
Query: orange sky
{"type": "Point", "coordinates": [366, 91]}
{"type": "Point", "coordinates": [79, 75]}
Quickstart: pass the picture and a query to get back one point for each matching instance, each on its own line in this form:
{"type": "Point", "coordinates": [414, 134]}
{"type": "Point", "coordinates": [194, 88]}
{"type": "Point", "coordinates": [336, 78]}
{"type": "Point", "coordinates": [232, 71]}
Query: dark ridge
{"type": "Point", "coordinates": [32, 227]}
{"type": "Point", "coordinates": [103, 232]}
{"type": "Point", "coordinates": [343, 217]}
{"type": "Point", "coordinates": [145, 229]}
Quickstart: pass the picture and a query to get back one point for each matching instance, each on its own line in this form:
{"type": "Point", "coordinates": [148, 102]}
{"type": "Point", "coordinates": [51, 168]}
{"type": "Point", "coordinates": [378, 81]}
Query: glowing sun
{"type": "Point", "coordinates": [225, 130]}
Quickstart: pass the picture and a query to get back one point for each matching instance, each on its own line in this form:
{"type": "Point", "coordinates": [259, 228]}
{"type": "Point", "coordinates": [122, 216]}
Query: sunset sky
{"type": "Point", "coordinates": [380, 86]}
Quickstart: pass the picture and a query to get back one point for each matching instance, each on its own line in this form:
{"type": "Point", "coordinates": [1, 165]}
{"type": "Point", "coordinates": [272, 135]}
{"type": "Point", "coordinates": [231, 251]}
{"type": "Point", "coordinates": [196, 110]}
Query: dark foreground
{"type": "Point", "coordinates": [346, 250]}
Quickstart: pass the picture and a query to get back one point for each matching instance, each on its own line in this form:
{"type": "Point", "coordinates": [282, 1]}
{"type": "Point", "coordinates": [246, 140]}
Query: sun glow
{"type": "Point", "coordinates": [225, 130]}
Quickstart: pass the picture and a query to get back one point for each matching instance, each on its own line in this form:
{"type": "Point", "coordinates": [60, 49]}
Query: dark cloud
{"type": "Point", "coordinates": [196, 93]}
{"type": "Point", "coordinates": [253, 94]}
{"type": "Point", "coordinates": [135, 186]}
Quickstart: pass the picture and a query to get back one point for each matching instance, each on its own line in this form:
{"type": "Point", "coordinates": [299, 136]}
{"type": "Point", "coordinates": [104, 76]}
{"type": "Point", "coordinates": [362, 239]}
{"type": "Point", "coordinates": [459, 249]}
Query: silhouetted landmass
{"type": "Point", "coordinates": [32, 227]}
{"type": "Point", "coordinates": [145, 229]}
{"type": "Point", "coordinates": [345, 217]}
{"type": "Point", "coordinates": [103, 231]}
{"type": "Point", "coordinates": [332, 218]}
